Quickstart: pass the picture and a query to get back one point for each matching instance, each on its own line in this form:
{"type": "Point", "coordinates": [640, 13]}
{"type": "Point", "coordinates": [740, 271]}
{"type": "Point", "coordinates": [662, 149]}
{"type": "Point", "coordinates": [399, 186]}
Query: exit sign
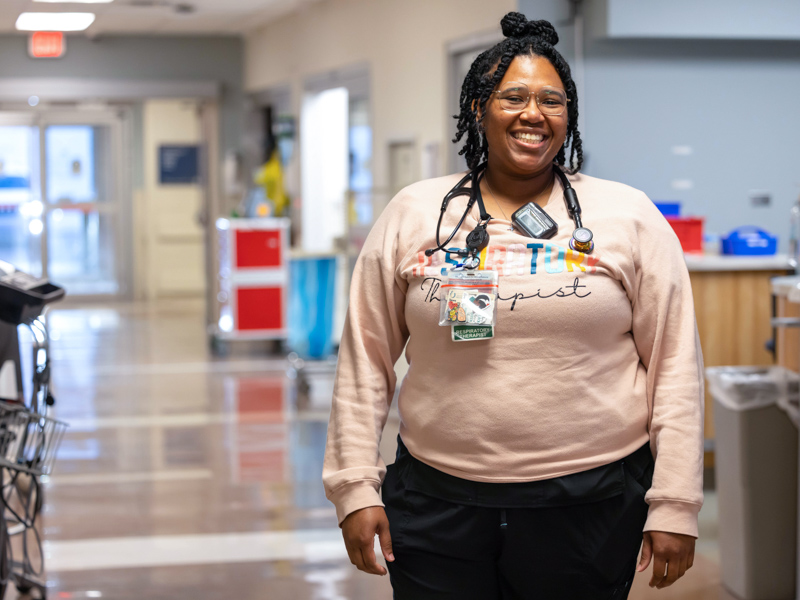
{"type": "Point", "coordinates": [46, 44]}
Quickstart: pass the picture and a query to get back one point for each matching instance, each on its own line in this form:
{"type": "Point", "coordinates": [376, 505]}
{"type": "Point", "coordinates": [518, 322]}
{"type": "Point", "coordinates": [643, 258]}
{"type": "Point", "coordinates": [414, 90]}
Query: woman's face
{"type": "Point", "coordinates": [525, 143]}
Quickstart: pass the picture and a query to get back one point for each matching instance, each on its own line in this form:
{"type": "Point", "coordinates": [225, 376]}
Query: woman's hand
{"type": "Point", "coordinates": [674, 555]}
{"type": "Point", "coordinates": [359, 529]}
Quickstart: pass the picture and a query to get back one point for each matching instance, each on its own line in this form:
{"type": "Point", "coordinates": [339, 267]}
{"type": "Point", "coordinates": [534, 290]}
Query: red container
{"type": "Point", "coordinates": [258, 248]}
{"type": "Point", "coordinates": [259, 307]}
{"type": "Point", "coordinates": [689, 231]}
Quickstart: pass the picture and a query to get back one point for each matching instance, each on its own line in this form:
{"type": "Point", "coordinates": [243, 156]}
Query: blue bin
{"type": "Point", "coordinates": [669, 209]}
{"type": "Point", "coordinates": [311, 305]}
{"type": "Point", "coordinates": [749, 241]}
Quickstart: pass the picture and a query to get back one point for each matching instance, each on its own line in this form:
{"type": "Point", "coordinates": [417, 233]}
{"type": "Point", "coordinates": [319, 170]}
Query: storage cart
{"type": "Point", "coordinates": [252, 281]}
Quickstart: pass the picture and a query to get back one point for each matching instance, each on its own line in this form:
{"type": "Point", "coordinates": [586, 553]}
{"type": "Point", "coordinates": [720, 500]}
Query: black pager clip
{"type": "Point", "coordinates": [536, 223]}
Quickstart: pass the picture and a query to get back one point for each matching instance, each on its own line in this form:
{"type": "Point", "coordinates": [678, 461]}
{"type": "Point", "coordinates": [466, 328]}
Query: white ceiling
{"type": "Point", "coordinates": [162, 16]}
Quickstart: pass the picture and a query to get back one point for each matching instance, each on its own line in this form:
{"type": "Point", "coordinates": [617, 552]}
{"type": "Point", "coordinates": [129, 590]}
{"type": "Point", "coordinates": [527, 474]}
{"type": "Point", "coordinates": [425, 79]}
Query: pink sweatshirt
{"type": "Point", "coordinates": [593, 355]}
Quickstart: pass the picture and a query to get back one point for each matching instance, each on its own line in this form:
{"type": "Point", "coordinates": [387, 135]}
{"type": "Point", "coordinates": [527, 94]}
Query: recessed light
{"type": "Point", "coordinates": [54, 21]}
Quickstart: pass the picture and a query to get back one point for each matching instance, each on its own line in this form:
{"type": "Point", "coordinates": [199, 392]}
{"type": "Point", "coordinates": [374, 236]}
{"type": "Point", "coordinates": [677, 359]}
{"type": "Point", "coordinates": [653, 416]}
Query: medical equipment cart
{"type": "Point", "coordinates": [251, 291]}
{"type": "Point", "coordinates": [29, 439]}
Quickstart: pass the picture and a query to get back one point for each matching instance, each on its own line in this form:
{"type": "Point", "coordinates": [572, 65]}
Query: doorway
{"type": "Point", "coordinates": [61, 199]}
{"type": "Point", "coordinates": [461, 55]}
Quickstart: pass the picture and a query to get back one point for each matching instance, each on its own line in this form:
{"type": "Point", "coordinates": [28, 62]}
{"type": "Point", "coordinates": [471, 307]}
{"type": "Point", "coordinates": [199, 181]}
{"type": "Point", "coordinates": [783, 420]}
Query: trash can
{"type": "Point", "coordinates": [756, 479]}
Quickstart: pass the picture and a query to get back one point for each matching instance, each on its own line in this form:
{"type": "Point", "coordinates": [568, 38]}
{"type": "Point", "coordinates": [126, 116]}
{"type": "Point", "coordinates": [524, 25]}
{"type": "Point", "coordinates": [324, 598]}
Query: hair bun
{"type": "Point", "coordinates": [516, 25]}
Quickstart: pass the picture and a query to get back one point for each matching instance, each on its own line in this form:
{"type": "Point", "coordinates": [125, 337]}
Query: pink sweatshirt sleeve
{"type": "Point", "coordinates": [665, 334]}
{"type": "Point", "coordinates": [374, 335]}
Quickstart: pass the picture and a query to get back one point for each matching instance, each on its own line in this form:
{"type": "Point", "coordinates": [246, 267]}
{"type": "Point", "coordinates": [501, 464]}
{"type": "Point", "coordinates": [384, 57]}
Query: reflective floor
{"type": "Point", "coordinates": [188, 476]}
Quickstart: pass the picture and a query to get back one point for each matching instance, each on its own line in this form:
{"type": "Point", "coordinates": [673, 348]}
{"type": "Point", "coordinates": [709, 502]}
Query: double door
{"type": "Point", "coordinates": [61, 198]}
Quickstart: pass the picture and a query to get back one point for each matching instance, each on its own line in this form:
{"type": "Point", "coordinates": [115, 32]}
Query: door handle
{"type": "Point", "coordinates": [783, 322]}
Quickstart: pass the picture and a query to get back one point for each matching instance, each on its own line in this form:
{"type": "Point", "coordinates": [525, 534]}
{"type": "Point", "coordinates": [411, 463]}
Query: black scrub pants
{"type": "Point", "coordinates": [554, 547]}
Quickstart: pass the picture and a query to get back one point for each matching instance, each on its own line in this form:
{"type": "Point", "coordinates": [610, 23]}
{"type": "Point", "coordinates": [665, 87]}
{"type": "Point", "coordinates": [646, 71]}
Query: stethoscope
{"type": "Point", "coordinates": [478, 238]}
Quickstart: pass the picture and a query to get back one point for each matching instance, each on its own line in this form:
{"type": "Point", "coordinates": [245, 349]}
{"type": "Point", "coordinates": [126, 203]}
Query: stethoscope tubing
{"type": "Point", "coordinates": [458, 190]}
{"type": "Point", "coordinates": [473, 192]}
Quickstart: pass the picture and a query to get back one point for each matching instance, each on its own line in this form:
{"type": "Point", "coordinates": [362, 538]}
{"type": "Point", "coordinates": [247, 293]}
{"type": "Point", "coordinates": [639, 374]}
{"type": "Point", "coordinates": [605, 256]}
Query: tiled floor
{"type": "Point", "coordinates": [189, 477]}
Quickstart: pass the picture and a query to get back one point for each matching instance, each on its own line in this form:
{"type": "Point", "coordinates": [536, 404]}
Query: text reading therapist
{"type": "Point", "coordinates": [536, 456]}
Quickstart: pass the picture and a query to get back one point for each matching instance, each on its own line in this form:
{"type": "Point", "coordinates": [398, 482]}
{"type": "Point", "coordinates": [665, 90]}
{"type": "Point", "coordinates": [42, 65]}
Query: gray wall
{"type": "Point", "coordinates": [178, 58]}
{"type": "Point", "coordinates": [733, 103]}
{"type": "Point", "coordinates": [709, 19]}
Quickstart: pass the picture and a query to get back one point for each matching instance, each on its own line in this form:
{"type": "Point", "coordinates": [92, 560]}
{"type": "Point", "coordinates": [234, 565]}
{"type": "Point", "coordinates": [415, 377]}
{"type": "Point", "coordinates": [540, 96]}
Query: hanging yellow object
{"type": "Point", "coordinates": [270, 176]}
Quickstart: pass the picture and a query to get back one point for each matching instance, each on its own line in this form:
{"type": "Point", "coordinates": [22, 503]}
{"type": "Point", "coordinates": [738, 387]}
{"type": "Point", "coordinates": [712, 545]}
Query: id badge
{"type": "Point", "coordinates": [471, 333]}
{"type": "Point", "coordinates": [469, 298]}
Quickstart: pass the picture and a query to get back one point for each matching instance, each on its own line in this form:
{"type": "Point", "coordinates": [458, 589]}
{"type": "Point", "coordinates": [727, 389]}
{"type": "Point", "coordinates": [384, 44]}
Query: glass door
{"type": "Point", "coordinates": [63, 201]}
{"type": "Point", "coordinates": [81, 212]}
{"type": "Point", "coordinates": [20, 193]}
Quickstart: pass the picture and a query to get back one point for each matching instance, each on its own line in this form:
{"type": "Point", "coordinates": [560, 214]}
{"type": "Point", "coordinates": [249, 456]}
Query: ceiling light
{"type": "Point", "coordinates": [77, 1]}
{"type": "Point", "coordinates": [54, 21]}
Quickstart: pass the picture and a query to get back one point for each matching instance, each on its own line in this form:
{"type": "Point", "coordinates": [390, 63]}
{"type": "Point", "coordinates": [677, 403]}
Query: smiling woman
{"type": "Point", "coordinates": [522, 140]}
{"type": "Point", "coordinates": [525, 39]}
{"type": "Point", "coordinates": [537, 455]}
{"type": "Point", "coordinates": [520, 137]}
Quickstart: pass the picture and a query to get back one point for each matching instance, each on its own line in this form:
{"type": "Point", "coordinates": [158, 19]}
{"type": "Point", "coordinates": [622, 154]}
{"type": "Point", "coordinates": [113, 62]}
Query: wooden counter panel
{"type": "Point", "coordinates": [788, 338]}
{"type": "Point", "coordinates": [733, 311]}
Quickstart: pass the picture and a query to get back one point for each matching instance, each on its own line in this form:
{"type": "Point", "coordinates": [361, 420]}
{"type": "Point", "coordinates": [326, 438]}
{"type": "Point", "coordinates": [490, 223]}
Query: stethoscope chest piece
{"type": "Point", "coordinates": [581, 240]}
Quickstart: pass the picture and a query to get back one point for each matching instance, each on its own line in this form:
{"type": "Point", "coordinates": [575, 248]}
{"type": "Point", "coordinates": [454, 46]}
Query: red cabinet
{"type": "Point", "coordinates": [253, 278]}
{"type": "Point", "coordinates": [258, 248]}
{"type": "Point", "coordinates": [259, 308]}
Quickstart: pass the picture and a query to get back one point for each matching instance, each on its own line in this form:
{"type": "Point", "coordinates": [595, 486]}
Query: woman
{"type": "Point", "coordinates": [533, 463]}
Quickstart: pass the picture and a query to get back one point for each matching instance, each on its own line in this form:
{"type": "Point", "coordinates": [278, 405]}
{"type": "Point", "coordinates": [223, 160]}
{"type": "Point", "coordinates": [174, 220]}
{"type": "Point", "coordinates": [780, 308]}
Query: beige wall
{"type": "Point", "coordinates": [404, 43]}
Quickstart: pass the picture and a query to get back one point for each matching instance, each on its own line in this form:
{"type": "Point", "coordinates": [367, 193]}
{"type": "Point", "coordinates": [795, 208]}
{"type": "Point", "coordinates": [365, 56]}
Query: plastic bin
{"type": "Point", "coordinates": [749, 241]}
{"type": "Point", "coordinates": [669, 209]}
{"type": "Point", "coordinates": [689, 231]}
{"type": "Point", "coordinates": [756, 470]}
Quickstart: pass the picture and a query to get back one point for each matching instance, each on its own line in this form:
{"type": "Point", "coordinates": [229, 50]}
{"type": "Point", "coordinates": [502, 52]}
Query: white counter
{"type": "Point", "coordinates": [722, 262]}
{"type": "Point", "coordinates": [781, 286]}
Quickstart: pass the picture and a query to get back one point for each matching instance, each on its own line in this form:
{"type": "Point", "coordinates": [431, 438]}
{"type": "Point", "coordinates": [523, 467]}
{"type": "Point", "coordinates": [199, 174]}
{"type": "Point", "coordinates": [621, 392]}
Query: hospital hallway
{"type": "Point", "coordinates": [183, 475]}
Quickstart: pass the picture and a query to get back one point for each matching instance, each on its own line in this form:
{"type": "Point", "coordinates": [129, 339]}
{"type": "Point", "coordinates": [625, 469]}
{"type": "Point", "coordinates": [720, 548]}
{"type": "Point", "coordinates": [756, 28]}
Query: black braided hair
{"type": "Point", "coordinates": [523, 37]}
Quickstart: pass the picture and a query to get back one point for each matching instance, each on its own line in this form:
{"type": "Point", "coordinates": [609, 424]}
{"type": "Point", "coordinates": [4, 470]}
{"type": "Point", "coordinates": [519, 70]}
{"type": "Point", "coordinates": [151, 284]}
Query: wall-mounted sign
{"type": "Point", "coordinates": [178, 165]}
{"type": "Point", "coordinates": [47, 44]}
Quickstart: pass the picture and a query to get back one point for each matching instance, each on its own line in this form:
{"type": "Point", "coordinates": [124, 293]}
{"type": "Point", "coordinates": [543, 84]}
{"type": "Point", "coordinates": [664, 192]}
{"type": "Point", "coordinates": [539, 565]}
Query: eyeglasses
{"type": "Point", "coordinates": [514, 98]}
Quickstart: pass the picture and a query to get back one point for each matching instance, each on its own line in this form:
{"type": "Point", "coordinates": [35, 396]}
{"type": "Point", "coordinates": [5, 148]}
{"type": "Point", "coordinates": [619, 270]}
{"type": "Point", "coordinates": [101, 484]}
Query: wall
{"type": "Point", "coordinates": [731, 104]}
{"type": "Point", "coordinates": [706, 122]}
{"type": "Point", "coordinates": [208, 58]}
{"type": "Point", "coordinates": [404, 45]}
{"type": "Point", "coordinates": [709, 19]}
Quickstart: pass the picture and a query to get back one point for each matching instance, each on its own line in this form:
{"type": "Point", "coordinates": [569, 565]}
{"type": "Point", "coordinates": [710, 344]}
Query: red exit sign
{"type": "Point", "coordinates": [46, 44]}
